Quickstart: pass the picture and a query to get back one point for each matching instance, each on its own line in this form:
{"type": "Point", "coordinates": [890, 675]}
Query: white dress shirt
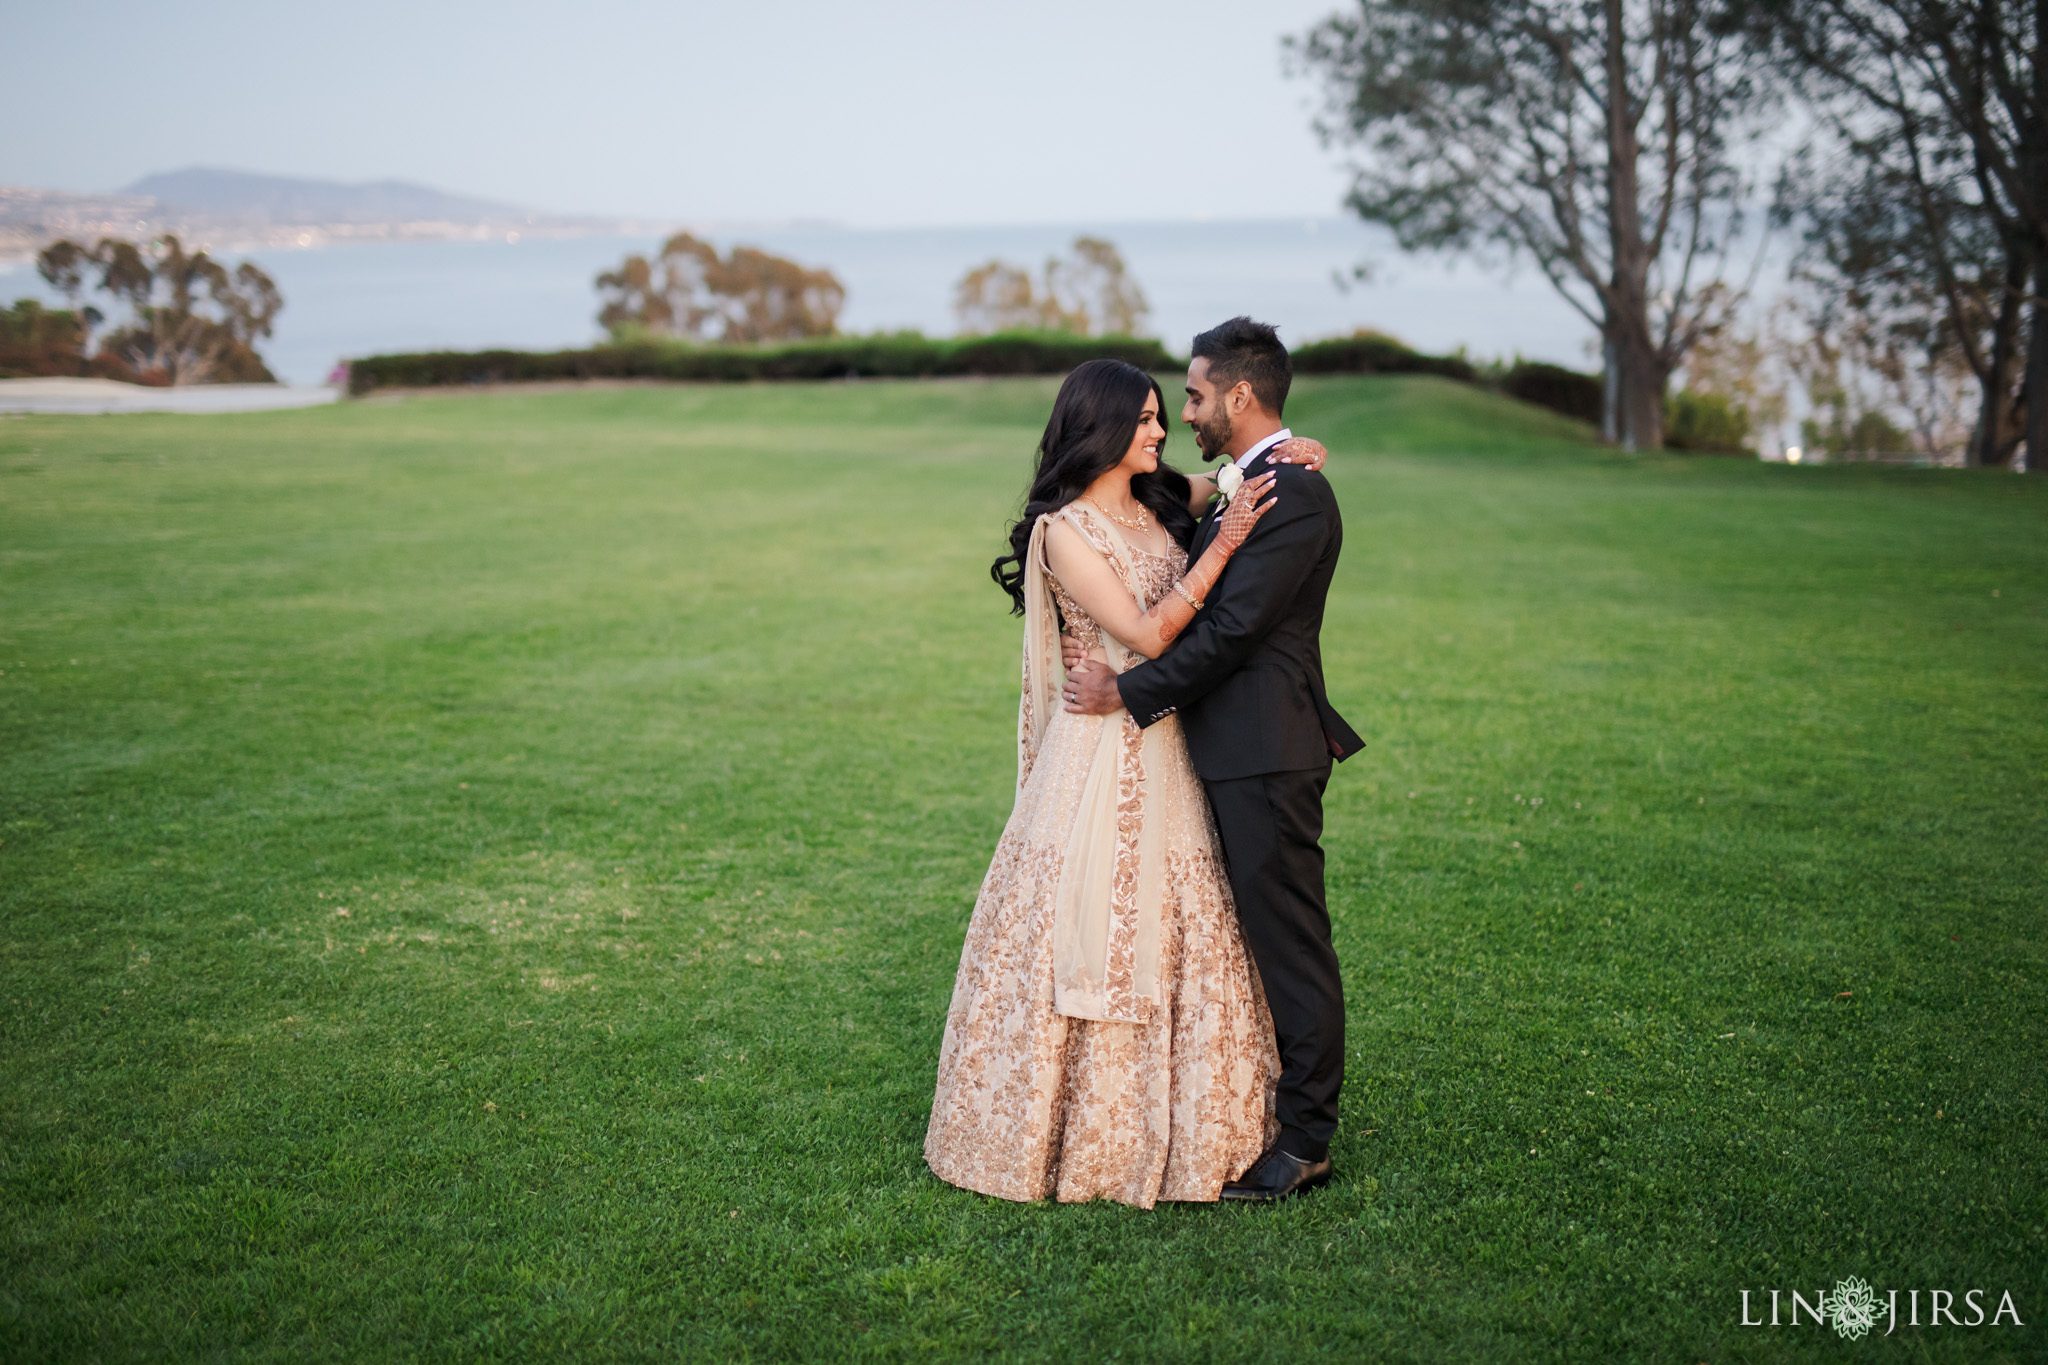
{"type": "Point", "coordinates": [1244, 461]}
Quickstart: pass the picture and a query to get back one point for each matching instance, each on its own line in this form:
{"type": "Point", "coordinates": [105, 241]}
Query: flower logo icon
{"type": "Point", "coordinates": [1854, 1307]}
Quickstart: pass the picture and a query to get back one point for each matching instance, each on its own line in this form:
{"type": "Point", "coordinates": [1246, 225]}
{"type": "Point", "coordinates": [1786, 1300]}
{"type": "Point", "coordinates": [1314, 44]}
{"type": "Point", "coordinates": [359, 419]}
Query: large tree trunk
{"type": "Point", "coordinates": [1632, 413]}
{"type": "Point", "coordinates": [1610, 385]}
{"type": "Point", "coordinates": [1634, 381]}
{"type": "Point", "coordinates": [2036, 400]}
{"type": "Point", "coordinates": [1640, 394]}
{"type": "Point", "coordinates": [2034, 168]}
{"type": "Point", "coordinates": [1991, 441]}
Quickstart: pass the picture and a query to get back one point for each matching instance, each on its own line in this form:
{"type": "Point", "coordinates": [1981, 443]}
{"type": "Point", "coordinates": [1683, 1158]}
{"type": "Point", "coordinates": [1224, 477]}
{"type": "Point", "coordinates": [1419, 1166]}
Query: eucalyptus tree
{"type": "Point", "coordinates": [744, 296]}
{"type": "Point", "coordinates": [1601, 139]}
{"type": "Point", "coordinates": [1935, 214]}
{"type": "Point", "coordinates": [1090, 293]}
{"type": "Point", "coordinates": [190, 319]}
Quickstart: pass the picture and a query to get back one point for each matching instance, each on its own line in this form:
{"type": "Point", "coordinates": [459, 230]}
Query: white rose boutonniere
{"type": "Point", "coordinates": [1228, 480]}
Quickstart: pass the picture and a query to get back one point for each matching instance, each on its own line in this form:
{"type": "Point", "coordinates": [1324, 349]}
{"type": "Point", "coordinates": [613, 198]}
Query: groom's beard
{"type": "Point", "coordinates": [1213, 436]}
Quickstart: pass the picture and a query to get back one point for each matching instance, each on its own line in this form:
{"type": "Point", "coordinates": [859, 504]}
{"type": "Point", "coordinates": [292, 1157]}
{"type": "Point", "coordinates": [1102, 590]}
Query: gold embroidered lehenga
{"type": "Point", "coordinates": [1107, 1037]}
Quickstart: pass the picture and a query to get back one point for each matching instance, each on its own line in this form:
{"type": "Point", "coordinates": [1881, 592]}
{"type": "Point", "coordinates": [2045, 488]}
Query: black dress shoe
{"type": "Point", "coordinates": [1276, 1175]}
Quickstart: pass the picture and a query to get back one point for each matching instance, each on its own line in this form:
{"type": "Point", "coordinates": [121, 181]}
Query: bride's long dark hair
{"type": "Point", "coordinates": [1093, 421]}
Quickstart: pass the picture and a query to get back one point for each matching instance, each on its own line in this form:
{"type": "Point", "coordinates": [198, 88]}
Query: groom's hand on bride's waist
{"type": "Point", "coordinates": [1090, 688]}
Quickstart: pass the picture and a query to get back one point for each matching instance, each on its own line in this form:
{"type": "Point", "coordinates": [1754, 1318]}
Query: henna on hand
{"type": "Point", "coordinates": [1245, 511]}
{"type": "Point", "coordinates": [1305, 451]}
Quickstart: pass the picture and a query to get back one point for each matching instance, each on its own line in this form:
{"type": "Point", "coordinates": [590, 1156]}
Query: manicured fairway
{"type": "Point", "coordinates": [481, 877]}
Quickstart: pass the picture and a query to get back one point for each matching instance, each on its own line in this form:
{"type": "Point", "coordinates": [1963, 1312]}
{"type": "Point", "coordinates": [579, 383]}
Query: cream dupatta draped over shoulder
{"type": "Point", "coordinates": [1106, 908]}
{"type": "Point", "coordinates": [1106, 1037]}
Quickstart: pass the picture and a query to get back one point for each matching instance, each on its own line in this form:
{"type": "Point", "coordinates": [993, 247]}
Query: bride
{"type": "Point", "coordinates": [1107, 1036]}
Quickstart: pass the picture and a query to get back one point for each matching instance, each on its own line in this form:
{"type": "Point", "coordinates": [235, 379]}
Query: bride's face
{"type": "Point", "coordinates": [1143, 456]}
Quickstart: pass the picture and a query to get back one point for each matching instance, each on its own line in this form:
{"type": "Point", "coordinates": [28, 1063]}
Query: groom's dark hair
{"type": "Point", "coordinates": [1243, 351]}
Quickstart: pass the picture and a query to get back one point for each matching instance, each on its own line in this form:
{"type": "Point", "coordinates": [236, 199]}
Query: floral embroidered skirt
{"type": "Point", "coordinates": [1032, 1104]}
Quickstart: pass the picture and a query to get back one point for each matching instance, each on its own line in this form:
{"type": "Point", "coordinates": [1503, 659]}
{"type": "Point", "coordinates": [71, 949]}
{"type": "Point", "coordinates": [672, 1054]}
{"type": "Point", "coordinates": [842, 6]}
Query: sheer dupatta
{"type": "Point", "coordinates": [1106, 917]}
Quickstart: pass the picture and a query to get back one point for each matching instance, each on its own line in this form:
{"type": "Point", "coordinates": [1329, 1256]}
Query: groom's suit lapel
{"type": "Point", "coordinates": [1205, 531]}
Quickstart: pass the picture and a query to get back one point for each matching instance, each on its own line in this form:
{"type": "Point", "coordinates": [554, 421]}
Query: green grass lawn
{"type": "Point", "coordinates": [482, 877]}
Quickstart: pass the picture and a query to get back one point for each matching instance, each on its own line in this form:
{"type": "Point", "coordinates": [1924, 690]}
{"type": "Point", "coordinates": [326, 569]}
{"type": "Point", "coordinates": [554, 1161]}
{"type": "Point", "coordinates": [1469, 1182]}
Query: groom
{"type": "Point", "coordinates": [1246, 677]}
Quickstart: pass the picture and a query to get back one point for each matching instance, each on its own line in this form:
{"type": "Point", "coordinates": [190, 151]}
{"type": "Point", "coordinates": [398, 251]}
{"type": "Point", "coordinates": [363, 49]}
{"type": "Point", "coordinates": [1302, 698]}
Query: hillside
{"type": "Point", "coordinates": [217, 209]}
{"type": "Point", "coordinates": [209, 191]}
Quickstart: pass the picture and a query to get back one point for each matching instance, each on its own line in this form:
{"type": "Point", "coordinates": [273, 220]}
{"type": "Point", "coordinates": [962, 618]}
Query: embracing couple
{"type": "Point", "coordinates": [1109, 1034]}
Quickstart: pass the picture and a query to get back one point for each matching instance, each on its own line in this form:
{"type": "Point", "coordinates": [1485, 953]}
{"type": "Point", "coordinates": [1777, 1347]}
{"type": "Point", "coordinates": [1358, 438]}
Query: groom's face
{"type": "Point", "coordinates": [1206, 411]}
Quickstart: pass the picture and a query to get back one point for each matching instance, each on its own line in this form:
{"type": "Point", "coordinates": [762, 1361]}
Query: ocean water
{"type": "Point", "coordinates": [353, 300]}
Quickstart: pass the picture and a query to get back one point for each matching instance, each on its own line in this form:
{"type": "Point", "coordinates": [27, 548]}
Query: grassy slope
{"type": "Point", "coordinates": [655, 741]}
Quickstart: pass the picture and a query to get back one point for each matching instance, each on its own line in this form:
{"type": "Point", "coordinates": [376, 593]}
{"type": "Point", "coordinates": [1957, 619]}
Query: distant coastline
{"type": "Point", "coordinates": [31, 219]}
{"type": "Point", "coordinates": [236, 211]}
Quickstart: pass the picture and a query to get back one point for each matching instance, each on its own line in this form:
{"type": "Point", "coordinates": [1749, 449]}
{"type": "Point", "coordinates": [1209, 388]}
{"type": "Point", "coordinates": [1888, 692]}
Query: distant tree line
{"type": "Point", "coordinates": [1622, 147]}
{"type": "Point", "coordinates": [691, 291]}
{"type": "Point", "coordinates": [743, 297]}
{"type": "Point", "coordinates": [180, 317]}
{"type": "Point", "coordinates": [1089, 292]}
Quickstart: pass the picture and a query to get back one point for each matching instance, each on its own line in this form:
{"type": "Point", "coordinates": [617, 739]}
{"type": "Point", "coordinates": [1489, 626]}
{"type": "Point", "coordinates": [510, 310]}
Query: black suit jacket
{"type": "Point", "coordinates": [1246, 675]}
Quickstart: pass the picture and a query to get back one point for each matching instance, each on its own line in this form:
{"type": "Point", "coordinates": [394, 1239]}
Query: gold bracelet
{"type": "Point", "coordinates": [1180, 585]}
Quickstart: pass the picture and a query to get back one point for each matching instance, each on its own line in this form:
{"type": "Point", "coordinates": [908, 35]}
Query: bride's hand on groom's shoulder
{"type": "Point", "coordinates": [1306, 451]}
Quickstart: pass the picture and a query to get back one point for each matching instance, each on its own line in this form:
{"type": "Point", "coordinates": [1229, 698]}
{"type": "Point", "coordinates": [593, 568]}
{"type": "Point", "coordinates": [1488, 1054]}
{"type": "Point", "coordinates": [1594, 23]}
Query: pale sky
{"type": "Point", "coordinates": [882, 113]}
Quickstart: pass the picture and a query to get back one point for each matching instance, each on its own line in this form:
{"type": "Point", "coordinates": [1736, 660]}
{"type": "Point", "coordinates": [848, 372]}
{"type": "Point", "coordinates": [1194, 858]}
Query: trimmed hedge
{"type": "Point", "coordinates": [1376, 353]}
{"type": "Point", "coordinates": [1555, 387]}
{"type": "Point", "coordinates": [910, 355]}
{"type": "Point", "coordinates": [902, 355]}
{"type": "Point", "coordinates": [1710, 423]}
{"type": "Point", "coordinates": [1547, 386]}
